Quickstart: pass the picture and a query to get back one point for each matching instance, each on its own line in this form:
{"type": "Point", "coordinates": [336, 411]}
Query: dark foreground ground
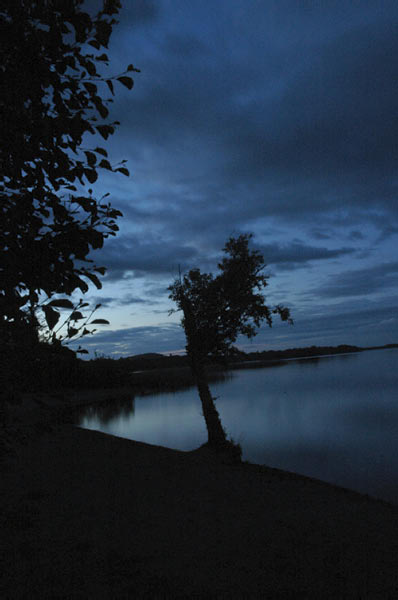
{"type": "Point", "coordinates": [88, 515]}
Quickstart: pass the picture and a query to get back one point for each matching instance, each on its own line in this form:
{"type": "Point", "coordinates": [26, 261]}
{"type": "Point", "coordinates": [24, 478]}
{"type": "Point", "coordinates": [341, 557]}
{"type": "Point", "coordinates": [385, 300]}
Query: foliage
{"type": "Point", "coordinates": [217, 309]}
{"type": "Point", "coordinates": [75, 325]}
{"type": "Point", "coordinates": [52, 51]}
{"type": "Point", "coordinates": [27, 364]}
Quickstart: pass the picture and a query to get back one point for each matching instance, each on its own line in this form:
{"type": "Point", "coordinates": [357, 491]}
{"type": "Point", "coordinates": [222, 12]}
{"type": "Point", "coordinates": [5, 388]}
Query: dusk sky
{"type": "Point", "coordinates": [273, 117]}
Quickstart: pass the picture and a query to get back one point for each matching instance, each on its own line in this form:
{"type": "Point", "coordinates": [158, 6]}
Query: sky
{"type": "Point", "coordinates": [277, 118]}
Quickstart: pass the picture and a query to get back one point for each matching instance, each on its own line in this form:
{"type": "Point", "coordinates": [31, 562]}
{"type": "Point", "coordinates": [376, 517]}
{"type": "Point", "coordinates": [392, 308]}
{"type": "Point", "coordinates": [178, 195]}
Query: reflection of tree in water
{"type": "Point", "coordinates": [106, 411]}
{"type": "Point", "coordinates": [124, 406]}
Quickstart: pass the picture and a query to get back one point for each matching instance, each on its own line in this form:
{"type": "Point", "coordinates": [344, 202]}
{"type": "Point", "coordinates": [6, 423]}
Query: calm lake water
{"type": "Point", "coordinates": [334, 418]}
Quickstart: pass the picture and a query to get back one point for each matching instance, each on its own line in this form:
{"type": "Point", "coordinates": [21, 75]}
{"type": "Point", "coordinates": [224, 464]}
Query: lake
{"type": "Point", "coordinates": [334, 418]}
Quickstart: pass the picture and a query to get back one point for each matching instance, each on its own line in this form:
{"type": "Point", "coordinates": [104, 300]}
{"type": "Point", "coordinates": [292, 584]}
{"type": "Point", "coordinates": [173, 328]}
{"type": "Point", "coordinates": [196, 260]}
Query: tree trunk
{"type": "Point", "coordinates": [215, 431]}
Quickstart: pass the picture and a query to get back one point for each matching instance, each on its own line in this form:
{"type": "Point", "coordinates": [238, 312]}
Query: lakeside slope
{"type": "Point", "coordinates": [89, 515]}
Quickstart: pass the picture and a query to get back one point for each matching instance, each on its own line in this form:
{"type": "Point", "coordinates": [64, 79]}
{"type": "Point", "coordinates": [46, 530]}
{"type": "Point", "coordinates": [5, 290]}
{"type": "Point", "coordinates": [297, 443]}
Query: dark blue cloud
{"type": "Point", "coordinates": [339, 324]}
{"type": "Point", "coordinates": [128, 254]}
{"type": "Point", "coordinates": [278, 118]}
{"type": "Point", "coordinates": [298, 254]}
{"type": "Point", "coordinates": [139, 12]}
{"type": "Point", "coordinates": [361, 282]}
{"type": "Point", "coordinates": [166, 338]}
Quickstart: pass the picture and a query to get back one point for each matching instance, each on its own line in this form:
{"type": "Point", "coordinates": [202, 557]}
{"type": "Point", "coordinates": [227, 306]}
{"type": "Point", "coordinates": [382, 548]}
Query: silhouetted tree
{"type": "Point", "coordinates": [50, 100]}
{"type": "Point", "coordinates": [216, 310]}
{"type": "Point", "coordinates": [51, 50]}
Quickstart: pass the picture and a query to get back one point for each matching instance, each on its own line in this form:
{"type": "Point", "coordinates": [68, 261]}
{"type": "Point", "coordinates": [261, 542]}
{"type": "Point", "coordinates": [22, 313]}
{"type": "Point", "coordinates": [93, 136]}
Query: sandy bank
{"type": "Point", "coordinates": [87, 515]}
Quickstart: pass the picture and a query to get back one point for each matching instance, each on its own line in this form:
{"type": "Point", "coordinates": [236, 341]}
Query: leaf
{"type": "Point", "coordinates": [94, 279]}
{"type": "Point", "coordinates": [124, 171]}
{"type": "Point", "coordinates": [101, 151]}
{"type": "Point", "coordinates": [105, 130]}
{"type": "Point", "coordinates": [81, 351]}
{"type": "Point", "coordinates": [99, 322]}
{"type": "Point", "coordinates": [103, 111]}
{"type": "Point", "coordinates": [110, 86]}
{"type": "Point", "coordinates": [72, 331]}
{"type": "Point", "coordinates": [105, 165]}
{"type": "Point", "coordinates": [101, 270]}
{"type": "Point", "coordinates": [91, 175]}
{"type": "Point", "coordinates": [132, 68]}
{"type": "Point", "coordinates": [60, 213]}
{"type": "Point", "coordinates": [95, 44]}
{"type": "Point", "coordinates": [95, 238]}
{"type": "Point", "coordinates": [90, 68]}
{"type": "Point", "coordinates": [76, 316]}
{"type": "Point", "coordinates": [104, 30]}
{"type": "Point", "coordinates": [126, 81]}
{"type": "Point", "coordinates": [90, 87]}
{"type": "Point", "coordinates": [61, 303]}
{"type": "Point", "coordinates": [82, 285]}
{"type": "Point", "coordinates": [102, 57]}
{"type": "Point", "coordinates": [52, 316]}
{"type": "Point", "coordinates": [91, 158]}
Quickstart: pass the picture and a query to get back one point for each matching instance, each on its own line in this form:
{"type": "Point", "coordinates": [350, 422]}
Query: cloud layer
{"type": "Point", "coordinates": [277, 118]}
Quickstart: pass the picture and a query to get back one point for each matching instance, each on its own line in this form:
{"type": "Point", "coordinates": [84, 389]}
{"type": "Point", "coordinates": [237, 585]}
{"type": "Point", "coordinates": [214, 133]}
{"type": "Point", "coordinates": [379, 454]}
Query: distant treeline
{"type": "Point", "coordinates": [53, 369]}
{"type": "Point", "coordinates": [143, 362]}
{"type": "Point", "coordinates": [153, 371]}
{"type": "Point", "coordinates": [271, 355]}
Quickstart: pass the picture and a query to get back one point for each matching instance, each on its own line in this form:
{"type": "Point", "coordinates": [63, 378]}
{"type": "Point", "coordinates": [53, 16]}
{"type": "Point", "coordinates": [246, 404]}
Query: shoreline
{"type": "Point", "coordinates": [87, 514]}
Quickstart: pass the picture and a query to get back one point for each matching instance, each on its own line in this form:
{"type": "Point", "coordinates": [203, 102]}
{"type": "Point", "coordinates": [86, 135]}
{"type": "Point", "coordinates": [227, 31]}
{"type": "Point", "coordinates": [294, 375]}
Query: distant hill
{"type": "Point", "coordinates": [146, 355]}
{"type": "Point", "coordinates": [153, 360]}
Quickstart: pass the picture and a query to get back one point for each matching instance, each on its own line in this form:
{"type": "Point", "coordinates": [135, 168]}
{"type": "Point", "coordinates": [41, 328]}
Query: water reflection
{"type": "Point", "coordinates": [106, 412]}
{"type": "Point", "coordinates": [334, 418]}
{"type": "Point", "coordinates": [163, 419]}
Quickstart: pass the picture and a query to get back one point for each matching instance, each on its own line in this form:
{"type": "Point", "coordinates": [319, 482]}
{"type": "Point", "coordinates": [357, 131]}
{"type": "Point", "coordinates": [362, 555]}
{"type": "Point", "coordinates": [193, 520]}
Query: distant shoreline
{"type": "Point", "coordinates": [143, 375]}
{"type": "Point", "coordinates": [152, 361]}
{"type": "Point", "coordinates": [274, 356]}
{"type": "Point", "coordinates": [155, 373]}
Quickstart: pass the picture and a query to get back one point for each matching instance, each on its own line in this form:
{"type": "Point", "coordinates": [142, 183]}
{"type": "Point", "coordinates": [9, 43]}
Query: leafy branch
{"type": "Point", "coordinates": [52, 100]}
{"type": "Point", "coordinates": [76, 322]}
